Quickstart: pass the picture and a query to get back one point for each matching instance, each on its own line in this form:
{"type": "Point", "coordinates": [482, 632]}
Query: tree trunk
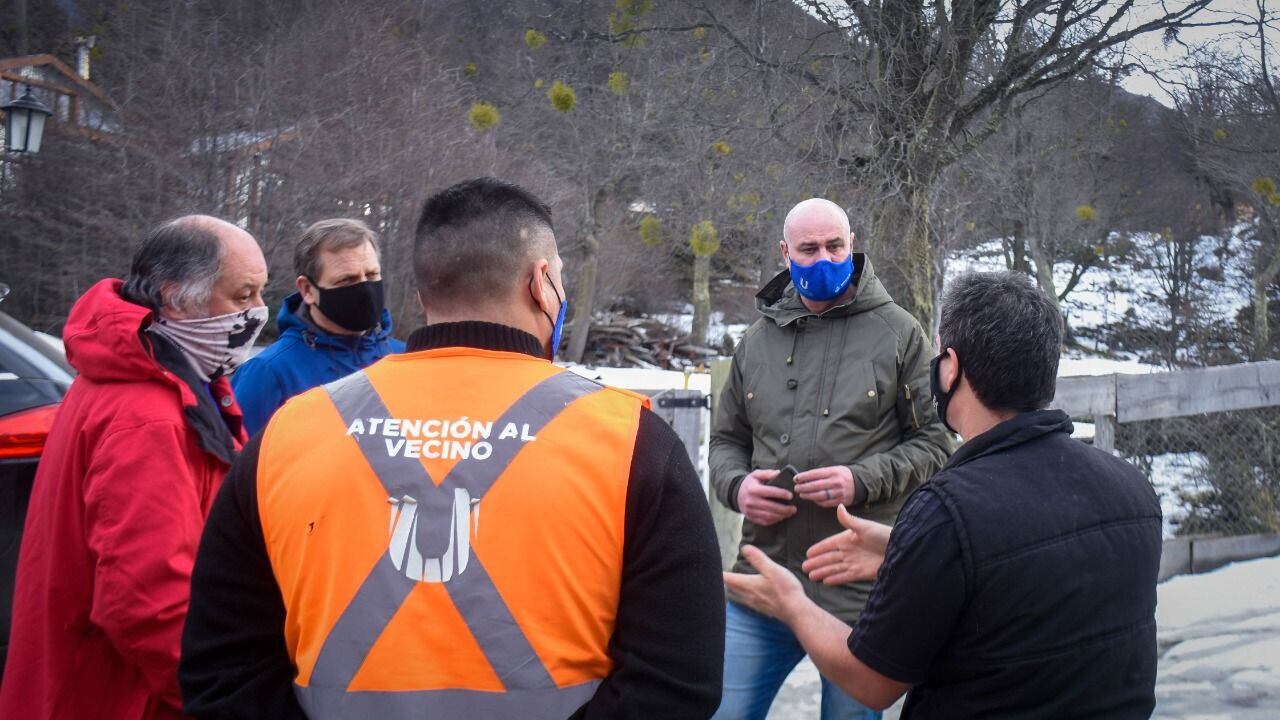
{"type": "Point", "coordinates": [701, 299]}
{"type": "Point", "coordinates": [1261, 323]}
{"type": "Point", "coordinates": [1024, 192]}
{"type": "Point", "coordinates": [902, 246]}
{"type": "Point", "coordinates": [1262, 280]}
{"type": "Point", "coordinates": [1016, 260]}
{"type": "Point", "coordinates": [1044, 269]}
{"type": "Point", "coordinates": [584, 297]}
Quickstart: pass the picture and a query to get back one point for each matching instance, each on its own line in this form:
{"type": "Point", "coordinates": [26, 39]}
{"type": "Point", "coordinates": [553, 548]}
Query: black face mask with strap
{"type": "Point", "coordinates": [357, 307]}
{"type": "Point", "coordinates": [942, 399]}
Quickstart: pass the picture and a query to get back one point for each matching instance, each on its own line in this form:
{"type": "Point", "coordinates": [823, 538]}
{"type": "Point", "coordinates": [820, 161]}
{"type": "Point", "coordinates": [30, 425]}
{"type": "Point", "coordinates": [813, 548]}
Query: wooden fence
{"type": "Point", "coordinates": [1115, 399]}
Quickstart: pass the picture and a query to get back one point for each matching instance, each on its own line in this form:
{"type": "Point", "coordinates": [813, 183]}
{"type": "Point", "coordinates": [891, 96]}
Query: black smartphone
{"type": "Point", "coordinates": [786, 479]}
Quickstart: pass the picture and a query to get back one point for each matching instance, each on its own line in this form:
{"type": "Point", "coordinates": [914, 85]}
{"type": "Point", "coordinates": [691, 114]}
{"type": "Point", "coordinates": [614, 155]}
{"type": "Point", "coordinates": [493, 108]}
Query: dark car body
{"type": "Point", "coordinates": [34, 375]}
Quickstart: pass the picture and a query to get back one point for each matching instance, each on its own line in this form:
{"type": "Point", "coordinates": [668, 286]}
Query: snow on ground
{"type": "Point", "coordinates": [1219, 643]}
{"type": "Point", "coordinates": [1172, 472]}
{"type": "Point", "coordinates": [716, 327]}
{"type": "Point", "coordinates": [1069, 366]}
{"type": "Point", "coordinates": [1136, 286]}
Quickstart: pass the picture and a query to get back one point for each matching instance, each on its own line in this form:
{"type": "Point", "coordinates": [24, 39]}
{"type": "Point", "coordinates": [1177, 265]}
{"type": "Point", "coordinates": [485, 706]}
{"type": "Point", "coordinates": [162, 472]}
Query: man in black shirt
{"type": "Point", "coordinates": [1019, 582]}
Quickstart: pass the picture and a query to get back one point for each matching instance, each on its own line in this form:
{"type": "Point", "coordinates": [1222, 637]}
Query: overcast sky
{"type": "Point", "coordinates": [1152, 50]}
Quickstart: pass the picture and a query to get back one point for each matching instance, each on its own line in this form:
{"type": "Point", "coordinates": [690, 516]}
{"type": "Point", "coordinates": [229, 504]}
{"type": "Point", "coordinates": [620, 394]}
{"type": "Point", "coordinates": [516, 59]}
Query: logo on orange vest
{"type": "Point", "coordinates": [403, 547]}
{"type": "Point", "coordinates": [435, 439]}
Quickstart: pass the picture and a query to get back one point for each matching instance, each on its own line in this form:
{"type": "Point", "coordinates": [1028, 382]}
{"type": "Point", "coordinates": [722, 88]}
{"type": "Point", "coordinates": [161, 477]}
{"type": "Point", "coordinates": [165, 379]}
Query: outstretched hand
{"type": "Point", "coordinates": [772, 592]}
{"type": "Point", "coordinates": [853, 555]}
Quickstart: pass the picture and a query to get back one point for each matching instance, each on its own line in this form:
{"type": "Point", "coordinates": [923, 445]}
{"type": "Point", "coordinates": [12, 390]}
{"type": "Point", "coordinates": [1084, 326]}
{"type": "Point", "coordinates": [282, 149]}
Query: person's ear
{"type": "Point", "coordinates": [167, 308]}
{"type": "Point", "coordinates": [310, 295]}
{"type": "Point", "coordinates": [421, 303]}
{"type": "Point", "coordinates": [786, 256]}
{"type": "Point", "coordinates": [949, 372]}
{"type": "Point", "coordinates": [540, 288]}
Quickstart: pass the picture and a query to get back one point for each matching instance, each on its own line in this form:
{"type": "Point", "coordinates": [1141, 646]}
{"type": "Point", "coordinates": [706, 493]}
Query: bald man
{"type": "Point", "coordinates": [833, 384]}
{"type": "Point", "coordinates": [133, 461]}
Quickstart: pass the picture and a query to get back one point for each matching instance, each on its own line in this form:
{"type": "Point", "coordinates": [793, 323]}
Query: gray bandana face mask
{"type": "Point", "coordinates": [216, 345]}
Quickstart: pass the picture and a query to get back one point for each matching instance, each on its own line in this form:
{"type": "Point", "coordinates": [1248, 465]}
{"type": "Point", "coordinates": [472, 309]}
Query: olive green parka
{"type": "Point", "coordinates": [847, 387]}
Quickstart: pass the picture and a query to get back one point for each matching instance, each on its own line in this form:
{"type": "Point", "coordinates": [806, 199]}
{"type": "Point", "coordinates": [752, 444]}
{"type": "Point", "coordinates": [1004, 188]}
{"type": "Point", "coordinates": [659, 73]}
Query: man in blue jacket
{"type": "Point", "coordinates": [335, 324]}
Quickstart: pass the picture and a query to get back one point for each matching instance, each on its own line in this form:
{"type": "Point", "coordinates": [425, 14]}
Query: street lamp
{"type": "Point", "coordinates": [24, 123]}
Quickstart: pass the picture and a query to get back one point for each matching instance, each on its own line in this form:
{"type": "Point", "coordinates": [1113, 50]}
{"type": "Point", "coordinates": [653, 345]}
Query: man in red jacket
{"type": "Point", "coordinates": [133, 462]}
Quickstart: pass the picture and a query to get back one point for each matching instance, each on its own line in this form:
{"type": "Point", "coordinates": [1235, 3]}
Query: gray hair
{"type": "Point", "coordinates": [184, 254]}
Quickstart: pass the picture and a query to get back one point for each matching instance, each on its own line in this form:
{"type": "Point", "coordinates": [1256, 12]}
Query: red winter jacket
{"type": "Point", "coordinates": [132, 465]}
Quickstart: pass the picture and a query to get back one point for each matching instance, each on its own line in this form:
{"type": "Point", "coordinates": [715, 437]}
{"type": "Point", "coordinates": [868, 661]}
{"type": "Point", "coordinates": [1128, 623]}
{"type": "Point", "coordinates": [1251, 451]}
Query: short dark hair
{"type": "Point", "coordinates": [475, 237]}
{"type": "Point", "coordinates": [184, 252]}
{"type": "Point", "coordinates": [330, 235]}
{"type": "Point", "coordinates": [1008, 336]}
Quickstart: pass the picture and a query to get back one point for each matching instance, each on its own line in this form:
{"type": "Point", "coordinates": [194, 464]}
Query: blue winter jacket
{"type": "Point", "coordinates": [303, 357]}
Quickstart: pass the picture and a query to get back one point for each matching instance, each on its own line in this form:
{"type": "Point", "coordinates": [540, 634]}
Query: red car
{"type": "Point", "coordinates": [34, 375]}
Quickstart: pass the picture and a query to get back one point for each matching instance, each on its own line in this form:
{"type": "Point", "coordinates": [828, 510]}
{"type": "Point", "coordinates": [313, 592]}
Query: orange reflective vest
{"type": "Point", "coordinates": [446, 528]}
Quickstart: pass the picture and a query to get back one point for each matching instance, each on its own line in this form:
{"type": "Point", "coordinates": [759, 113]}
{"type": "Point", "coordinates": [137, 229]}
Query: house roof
{"type": "Point", "coordinates": [52, 61]}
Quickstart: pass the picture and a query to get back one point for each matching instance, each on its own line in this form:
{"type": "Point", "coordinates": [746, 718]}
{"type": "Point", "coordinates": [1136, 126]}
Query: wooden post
{"type": "Point", "coordinates": [683, 410]}
{"type": "Point", "coordinates": [1092, 397]}
{"type": "Point", "coordinates": [1104, 433]}
{"type": "Point", "coordinates": [728, 523]}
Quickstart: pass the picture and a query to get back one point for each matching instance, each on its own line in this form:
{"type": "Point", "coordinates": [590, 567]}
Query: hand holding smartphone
{"type": "Point", "coordinates": [786, 479]}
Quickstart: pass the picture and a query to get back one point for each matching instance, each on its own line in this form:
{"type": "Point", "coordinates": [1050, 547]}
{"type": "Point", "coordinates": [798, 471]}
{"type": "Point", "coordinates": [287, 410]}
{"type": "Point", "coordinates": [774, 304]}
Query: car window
{"type": "Point", "coordinates": [25, 354]}
{"type": "Point", "coordinates": [17, 394]}
{"type": "Point", "coordinates": [31, 371]}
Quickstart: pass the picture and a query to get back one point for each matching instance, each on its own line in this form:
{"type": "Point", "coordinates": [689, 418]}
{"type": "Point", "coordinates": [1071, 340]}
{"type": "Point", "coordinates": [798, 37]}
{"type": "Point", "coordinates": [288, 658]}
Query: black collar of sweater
{"type": "Point", "coordinates": [1017, 430]}
{"type": "Point", "coordinates": [475, 334]}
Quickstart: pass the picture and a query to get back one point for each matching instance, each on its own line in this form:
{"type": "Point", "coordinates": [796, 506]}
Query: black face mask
{"type": "Point", "coordinates": [942, 399]}
{"type": "Point", "coordinates": [357, 308]}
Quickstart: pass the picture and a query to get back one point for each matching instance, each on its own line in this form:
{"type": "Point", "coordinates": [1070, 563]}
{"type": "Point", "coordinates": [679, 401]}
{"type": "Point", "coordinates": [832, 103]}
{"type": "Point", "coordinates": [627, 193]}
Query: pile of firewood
{"type": "Point", "coordinates": [618, 341]}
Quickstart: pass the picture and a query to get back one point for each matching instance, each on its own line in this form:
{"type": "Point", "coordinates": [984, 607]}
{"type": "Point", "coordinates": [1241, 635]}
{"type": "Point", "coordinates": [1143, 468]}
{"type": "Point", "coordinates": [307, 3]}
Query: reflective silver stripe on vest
{"type": "Point", "coordinates": [336, 704]}
{"type": "Point", "coordinates": [529, 686]}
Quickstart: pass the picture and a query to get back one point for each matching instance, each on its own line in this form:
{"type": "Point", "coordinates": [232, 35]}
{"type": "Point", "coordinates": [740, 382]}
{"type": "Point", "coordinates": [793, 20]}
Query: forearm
{"type": "Point", "coordinates": [825, 639]}
{"type": "Point", "coordinates": [823, 636]}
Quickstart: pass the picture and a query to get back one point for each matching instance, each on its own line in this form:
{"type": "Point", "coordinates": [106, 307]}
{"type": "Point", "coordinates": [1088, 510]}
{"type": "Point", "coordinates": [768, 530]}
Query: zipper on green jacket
{"type": "Point", "coordinates": [914, 418]}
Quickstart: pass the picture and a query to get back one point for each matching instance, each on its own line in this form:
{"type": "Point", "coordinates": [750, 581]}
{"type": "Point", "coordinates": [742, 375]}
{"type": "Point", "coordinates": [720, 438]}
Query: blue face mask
{"type": "Point", "coordinates": [824, 280]}
{"type": "Point", "coordinates": [557, 325]}
{"type": "Point", "coordinates": [558, 330]}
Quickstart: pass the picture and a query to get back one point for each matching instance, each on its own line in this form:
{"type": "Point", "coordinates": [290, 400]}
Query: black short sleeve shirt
{"type": "Point", "coordinates": [918, 594]}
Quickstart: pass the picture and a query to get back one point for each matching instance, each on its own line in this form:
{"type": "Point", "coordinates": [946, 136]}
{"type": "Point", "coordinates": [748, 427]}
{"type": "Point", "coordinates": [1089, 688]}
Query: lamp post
{"type": "Point", "coordinates": [24, 123]}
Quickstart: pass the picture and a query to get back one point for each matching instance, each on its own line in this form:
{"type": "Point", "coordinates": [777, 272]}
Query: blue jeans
{"type": "Point", "coordinates": [759, 653]}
